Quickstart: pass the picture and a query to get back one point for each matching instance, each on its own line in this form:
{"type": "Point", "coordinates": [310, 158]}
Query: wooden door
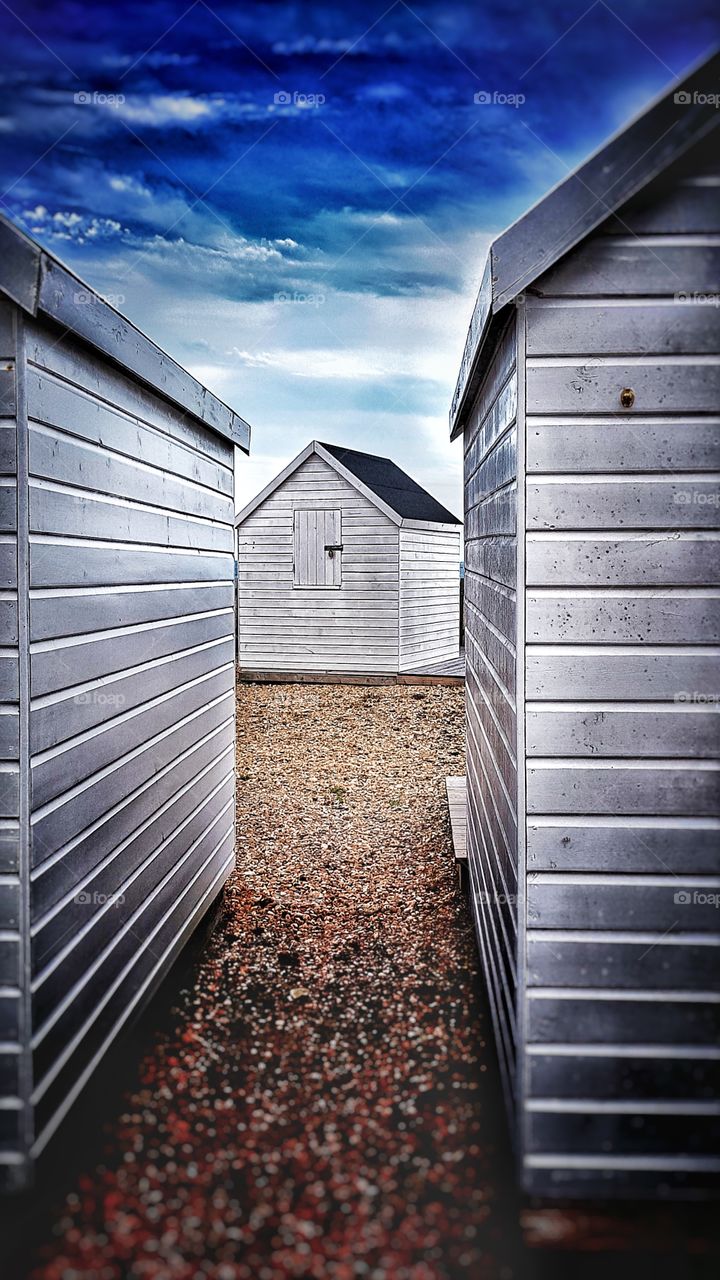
{"type": "Point", "coordinates": [317, 548]}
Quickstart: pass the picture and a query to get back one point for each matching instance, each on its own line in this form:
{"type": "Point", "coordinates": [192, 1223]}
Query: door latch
{"type": "Point", "coordinates": [332, 547]}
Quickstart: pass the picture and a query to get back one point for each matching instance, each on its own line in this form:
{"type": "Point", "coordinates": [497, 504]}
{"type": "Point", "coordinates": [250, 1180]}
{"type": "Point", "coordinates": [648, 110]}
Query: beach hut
{"type": "Point", "coordinates": [589, 404]}
{"type": "Point", "coordinates": [117, 670]}
{"type": "Point", "coordinates": [346, 566]}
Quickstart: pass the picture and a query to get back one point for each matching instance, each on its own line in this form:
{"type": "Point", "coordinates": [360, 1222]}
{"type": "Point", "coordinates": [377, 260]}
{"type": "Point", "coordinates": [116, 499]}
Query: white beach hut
{"type": "Point", "coordinates": [346, 565]}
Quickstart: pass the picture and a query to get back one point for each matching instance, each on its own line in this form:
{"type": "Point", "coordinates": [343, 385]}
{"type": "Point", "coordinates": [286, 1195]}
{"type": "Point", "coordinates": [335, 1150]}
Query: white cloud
{"type": "Point", "coordinates": [162, 109]}
{"type": "Point", "coordinates": [319, 363]}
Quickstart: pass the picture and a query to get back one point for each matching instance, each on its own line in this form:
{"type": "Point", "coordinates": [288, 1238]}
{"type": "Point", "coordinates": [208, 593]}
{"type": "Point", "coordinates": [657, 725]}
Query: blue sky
{"type": "Point", "coordinates": [295, 200]}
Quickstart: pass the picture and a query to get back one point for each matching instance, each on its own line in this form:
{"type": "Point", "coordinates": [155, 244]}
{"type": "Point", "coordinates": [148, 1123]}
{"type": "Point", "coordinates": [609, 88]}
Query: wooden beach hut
{"type": "Point", "coordinates": [346, 566]}
{"type": "Point", "coordinates": [589, 405]}
{"type": "Point", "coordinates": [117, 673]}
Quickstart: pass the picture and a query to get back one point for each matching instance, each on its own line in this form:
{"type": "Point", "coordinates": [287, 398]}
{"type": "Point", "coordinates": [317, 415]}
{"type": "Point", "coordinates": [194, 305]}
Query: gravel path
{"type": "Point", "coordinates": [324, 1103]}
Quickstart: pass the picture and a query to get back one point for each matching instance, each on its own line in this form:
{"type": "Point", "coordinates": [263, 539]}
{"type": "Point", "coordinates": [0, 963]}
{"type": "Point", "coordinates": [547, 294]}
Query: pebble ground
{"type": "Point", "coordinates": [323, 1103]}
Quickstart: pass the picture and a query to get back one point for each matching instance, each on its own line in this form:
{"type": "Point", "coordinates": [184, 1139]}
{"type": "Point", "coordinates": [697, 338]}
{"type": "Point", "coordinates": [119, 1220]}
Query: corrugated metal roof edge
{"type": "Point", "coordinates": [42, 286]}
{"type": "Point", "coordinates": [520, 254]}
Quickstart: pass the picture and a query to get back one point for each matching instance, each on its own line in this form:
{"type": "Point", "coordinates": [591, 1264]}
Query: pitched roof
{"type": "Point", "coordinates": [394, 486]}
{"type": "Point", "coordinates": [396, 494]}
{"type": "Point", "coordinates": [627, 163]}
{"type": "Point", "coordinates": [41, 285]}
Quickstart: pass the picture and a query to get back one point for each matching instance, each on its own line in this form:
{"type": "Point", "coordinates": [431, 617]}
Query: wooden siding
{"type": "Point", "coordinates": [429, 596]}
{"type": "Point", "coordinates": [491, 579]}
{"type": "Point", "coordinates": [283, 627]}
{"type": "Point", "coordinates": [14, 911]}
{"type": "Point", "coordinates": [127, 548]}
{"type": "Point", "coordinates": [622, 725]}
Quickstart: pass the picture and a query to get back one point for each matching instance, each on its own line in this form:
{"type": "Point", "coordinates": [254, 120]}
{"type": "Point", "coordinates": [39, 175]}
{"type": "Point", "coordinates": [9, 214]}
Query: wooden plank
{"type": "Point", "coordinates": [20, 258]}
{"type": "Point", "coordinates": [615, 266]}
{"type": "Point", "coordinates": [457, 803]}
{"type": "Point", "coordinates": [667, 617]}
{"type": "Point", "coordinates": [685, 207]}
{"type": "Point", "coordinates": [624, 1132]}
{"type": "Point", "coordinates": [647, 1074]}
{"type": "Point", "coordinates": [684, 385]}
{"type": "Point", "coordinates": [630, 502]}
{"type": "Point", "coordinates": [663, 558]}
{"type": "Point", "coordinates": [59, 562]}
{"type": "Point", "coordinates": [54, 510]}
{"type": "Point", "coordinates": [657, 845]}
{"type": "Point", "coordinates": [153, 959]}
{"type": "Point", "coordinates": [101, 656]}
{"type": "Point", "coordinates": [633, 326]}
{"type": "Point", "coordinates": [79, 611]}
{"type": "Point", "coordinates": [635, 729]}
{"type": "Point", "coordinates": [622, 787]}
{"type": "Point", "coordinates": [115, 392]}
{"type": "Point", "coordinates": [659, 905]}
{"type": "Point", "coordinates": [681, 443]}
{"type": "Point", "coordinates": [655, 962]}
{"type": "Point", "coordinates": [623, 673]}
{"type": "Point", "coordinates": [102, 904]}
{"type": "Point", "coordinates": [622, 1021]}
{"type": "Point", "coordinates": [90, 704]}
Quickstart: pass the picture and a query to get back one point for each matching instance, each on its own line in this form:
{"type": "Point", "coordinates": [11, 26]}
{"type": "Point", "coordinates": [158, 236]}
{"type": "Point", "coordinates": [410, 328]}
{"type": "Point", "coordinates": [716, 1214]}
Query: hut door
{"type": "Point", "coordinates": [317, 558]}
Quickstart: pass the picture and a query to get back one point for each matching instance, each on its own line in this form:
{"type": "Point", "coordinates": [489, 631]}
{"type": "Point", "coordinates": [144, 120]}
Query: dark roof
{"type": "Point", "coordinates": [403, 494]}
{"type": "Point", "coordinates": [626, 164]}
{"type": "Point", "coordinates": [41, 285]}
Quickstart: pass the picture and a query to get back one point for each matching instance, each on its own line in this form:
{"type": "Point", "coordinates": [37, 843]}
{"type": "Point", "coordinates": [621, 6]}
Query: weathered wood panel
{"type": "Point", "coordinates": [429, 605]}
{"type": "Point", "coordinates": [622, 735]}
{"type": "Point", "coordinates": [646, 266]}
{"type": "Point", "coordinates": [646, 843]}
{"type": "Point", "coordinates": [14, 996]}
{"type": "Point", "coordinates": [353, 627]}
{"type": "Point", "coordinates": [656, 616]}
{"type": "Point", "coordinates": [131, 688]}
{"type": "Point", "coordinates": [491, 584]}
{"type": "Point", "coordinates": [590, 444]}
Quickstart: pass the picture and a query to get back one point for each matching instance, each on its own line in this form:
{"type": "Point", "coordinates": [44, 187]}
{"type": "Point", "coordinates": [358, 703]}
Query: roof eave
{"type": "Point", "coordinates": [443, 526]}
{"type": "Point", "coordinates": [576, 206]}
{"type": "Point", "coordinates": [41, 286]}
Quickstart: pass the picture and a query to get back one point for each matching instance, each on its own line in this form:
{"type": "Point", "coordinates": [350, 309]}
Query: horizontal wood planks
{"type": "Point", "coordinates": [621, 721]}
{"type": "Point", "coordinates": [429, 597]}
{"type": "Point", "coordinates": [14, 1053]}
{"type": "Point", "coordinates": [130, 703]}
{"type": "Point", "coordinates": [491, 569]}
{"type": "Point", "coordinates": [284, 627]}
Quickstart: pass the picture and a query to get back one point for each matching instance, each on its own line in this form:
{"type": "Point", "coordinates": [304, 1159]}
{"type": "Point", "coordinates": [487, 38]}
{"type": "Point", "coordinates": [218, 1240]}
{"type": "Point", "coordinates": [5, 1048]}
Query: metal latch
{"type": "Point", "coordinates": [332, 547]}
